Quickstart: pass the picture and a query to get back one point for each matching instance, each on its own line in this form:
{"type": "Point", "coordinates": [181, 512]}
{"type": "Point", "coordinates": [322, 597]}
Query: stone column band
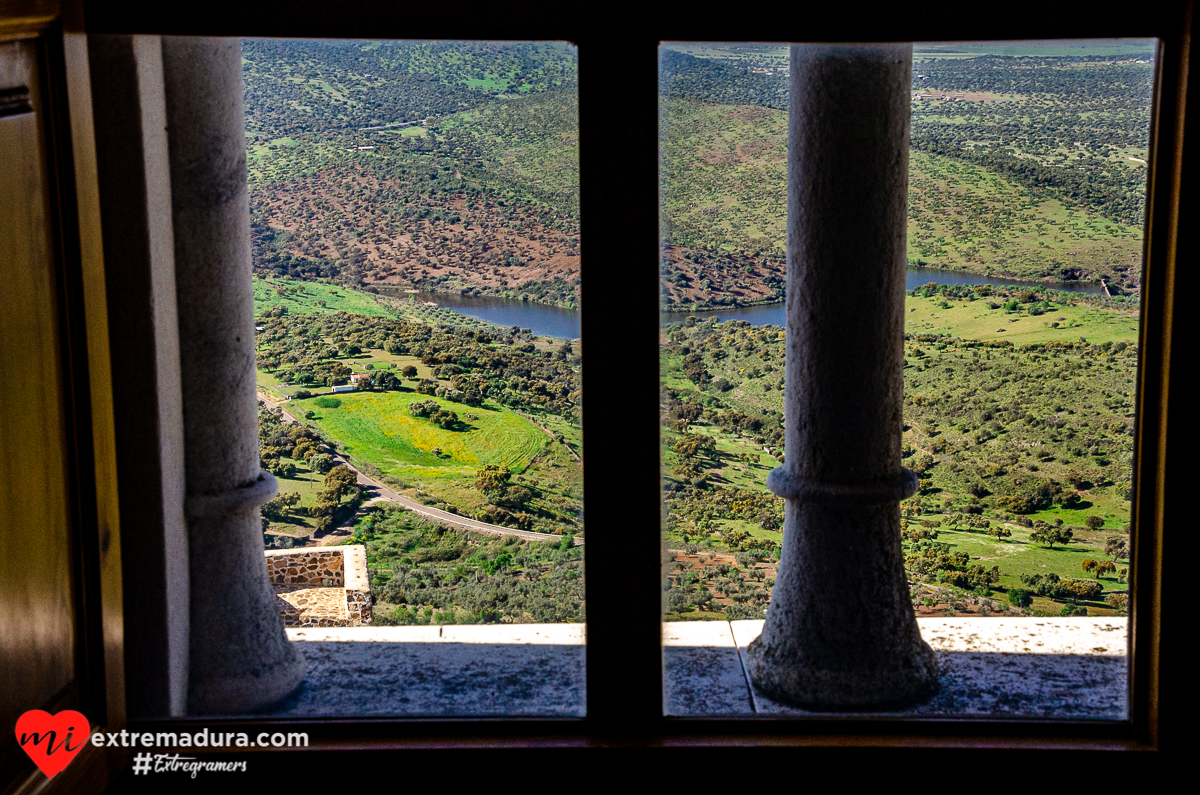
{"type": "Point", "coordinates": [840, 632]}
{"type": "Point", "coordinates": [240, 657]}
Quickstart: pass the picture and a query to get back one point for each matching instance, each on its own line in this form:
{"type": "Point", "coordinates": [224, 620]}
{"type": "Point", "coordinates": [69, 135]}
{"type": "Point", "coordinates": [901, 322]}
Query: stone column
{"type": "Point", "coordinates": [240, 657]}
{"type": "Point", "coordinates": [840, 631]}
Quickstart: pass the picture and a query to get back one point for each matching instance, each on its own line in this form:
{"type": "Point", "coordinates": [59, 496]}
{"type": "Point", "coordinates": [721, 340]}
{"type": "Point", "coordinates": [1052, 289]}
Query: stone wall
{"type": "Point", "coordinates": [321, 587]}
{"type": "Point", "coordinates": [358, 587]}
{"type": "Point", "coordinates": [306, 567]}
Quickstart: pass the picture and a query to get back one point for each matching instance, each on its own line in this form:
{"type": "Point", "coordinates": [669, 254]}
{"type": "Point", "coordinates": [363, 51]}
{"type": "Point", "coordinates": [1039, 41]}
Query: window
{"type": "Point", "coordinates": [1020, 466]}
{"type": "Point", "coordinates": [620, 194]}
{"type": "Point", "coordinates": [415, 247]}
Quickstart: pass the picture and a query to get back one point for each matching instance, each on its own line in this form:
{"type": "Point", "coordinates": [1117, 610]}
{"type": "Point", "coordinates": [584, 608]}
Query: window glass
{"type": "Point", "coordinates": [416, 264]}
{"type": "Point", "coordinates": [1027, 184]}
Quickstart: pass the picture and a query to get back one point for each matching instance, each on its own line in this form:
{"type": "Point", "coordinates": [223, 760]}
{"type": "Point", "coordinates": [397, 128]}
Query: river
{"type": "Point", "coordinates": [542, 320]}
{"type": "Point", "coordinates": [552, 321]}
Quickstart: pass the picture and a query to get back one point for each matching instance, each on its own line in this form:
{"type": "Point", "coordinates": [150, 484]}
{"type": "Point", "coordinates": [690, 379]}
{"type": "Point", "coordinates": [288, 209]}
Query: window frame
{"type": "Point", "coordinates": [624, 671]}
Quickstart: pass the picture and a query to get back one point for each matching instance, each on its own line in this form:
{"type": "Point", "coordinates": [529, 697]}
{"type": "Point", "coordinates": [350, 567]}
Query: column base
{"type": "Point", "coordinates": [248, 693]}
{"type": "Point", "coordinates": [788, 678]}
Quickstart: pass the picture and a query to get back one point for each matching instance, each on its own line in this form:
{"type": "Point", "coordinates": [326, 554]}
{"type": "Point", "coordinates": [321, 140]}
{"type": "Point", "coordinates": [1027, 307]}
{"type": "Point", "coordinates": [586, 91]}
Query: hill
{"type": "Point", "coordinates": [448, 166]}
{"type": "Point", "coordinates": [1027, 166]}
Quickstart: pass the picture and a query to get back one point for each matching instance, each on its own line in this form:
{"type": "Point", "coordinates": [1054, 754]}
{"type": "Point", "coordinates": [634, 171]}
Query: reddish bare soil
{"type": "Point", "coordinates": [741, 279]}
{"type": "Point", "coordinates": [328, 219]}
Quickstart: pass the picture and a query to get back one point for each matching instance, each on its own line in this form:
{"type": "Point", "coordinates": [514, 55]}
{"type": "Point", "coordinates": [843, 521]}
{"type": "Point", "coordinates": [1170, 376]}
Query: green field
{"type": "Point", "coordinates": [306, 483]}
{"type": "Point", "coordinates": [1018, 555]}
{"type": "Point", "coordinates": [316, 298]}
{"type": "Point", "coordinates": [378, 428]}
{"type": "Point", "coordinates": [975, 320]}
{"type": "Point", "coordinates": [724, 176]}
{"type": "Point", "coordinates": [1018, 405]}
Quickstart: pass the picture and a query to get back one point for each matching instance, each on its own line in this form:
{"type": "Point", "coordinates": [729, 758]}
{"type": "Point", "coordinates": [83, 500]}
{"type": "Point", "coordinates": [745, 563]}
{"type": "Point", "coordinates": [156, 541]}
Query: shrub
{"type": "Point", "coordinates": [327, 402]}
{"type": "Point", "coordinates": [1019, 597]}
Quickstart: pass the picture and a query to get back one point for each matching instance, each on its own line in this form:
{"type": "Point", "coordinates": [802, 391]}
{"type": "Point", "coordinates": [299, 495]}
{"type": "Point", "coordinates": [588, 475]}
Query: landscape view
{"type": "Point", "coordinates": [1027, 192]}
{"type": "Point", "coordinates": [417, 286]}
{"type": "Point", "coordinates": [387, 178]}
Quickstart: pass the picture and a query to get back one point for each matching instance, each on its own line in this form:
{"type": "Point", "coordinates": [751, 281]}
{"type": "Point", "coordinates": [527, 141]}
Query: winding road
{"type": "Point", "coordinates": [385, 494]}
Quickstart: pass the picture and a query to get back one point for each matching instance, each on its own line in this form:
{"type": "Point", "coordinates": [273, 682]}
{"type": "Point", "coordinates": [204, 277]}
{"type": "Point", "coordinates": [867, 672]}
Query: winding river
{"type": "Point", "coordinates": [552, 321]}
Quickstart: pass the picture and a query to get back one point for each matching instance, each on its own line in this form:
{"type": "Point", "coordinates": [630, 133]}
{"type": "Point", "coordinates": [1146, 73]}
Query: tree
{"type": "Point", "coordinates": [695, 444]}
{"type": "Point", "coordinates": [305, 448]}
{"type": "Point", "coordinates": [1048, 536]}
{"type": "Point", "coordinates": [515, 497]}
{"type": "Point", "coordinates": [1116, 548]}
{"type": "Point", "coordinates": [1093, 522]}
{"type": "Point", "coordinates": [278, 507]}
{"type": "Point", "coordinates": [320, 462]}
{"type": "Point", "coordinates": [327, 503]}
{"type": "Point", "coordinates": [386, 380]}
{"type": "Point", "coordinates": [340, 480]}
{"type": "Point", "coordinates": [492, 478]}
{"type": "Point", "coordinates": [1017, 503]}
{"type": "Point", "coordinates": [409, 371]}
{"type": "Point", "coordinates": [1000, 532]}
{"type": "Point", "coordinates": [445, 418]}
{"type": "Point", "coordinates": [1019, 597]}
{"type": "Point", "coordinates": [1080, 589]}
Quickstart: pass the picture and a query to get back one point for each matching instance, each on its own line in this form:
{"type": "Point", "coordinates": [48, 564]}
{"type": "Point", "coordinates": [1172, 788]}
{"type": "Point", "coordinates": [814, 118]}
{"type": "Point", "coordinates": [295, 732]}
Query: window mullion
{"type": "Point", "coordinates": [618, 197]}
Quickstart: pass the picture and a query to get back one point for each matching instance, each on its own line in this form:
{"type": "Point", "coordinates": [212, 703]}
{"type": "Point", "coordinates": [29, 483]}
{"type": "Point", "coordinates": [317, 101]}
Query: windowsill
{"type": "Point", "coordinates": [1063, 668]}
{"type": "Point", "coordinates": [1030, 668]}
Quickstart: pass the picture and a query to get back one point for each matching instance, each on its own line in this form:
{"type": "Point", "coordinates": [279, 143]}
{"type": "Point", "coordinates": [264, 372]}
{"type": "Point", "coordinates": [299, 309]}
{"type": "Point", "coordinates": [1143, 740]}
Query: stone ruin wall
{"type": "Point", "coordinates": [321, 587]}
{"type": "Point", "coordinates": [318, 567]}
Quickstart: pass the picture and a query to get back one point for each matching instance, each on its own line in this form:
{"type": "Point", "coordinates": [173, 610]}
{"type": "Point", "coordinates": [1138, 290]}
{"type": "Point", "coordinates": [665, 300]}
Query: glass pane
{"type": "Point", "coordinates": [1027, 177]}
{"type": "Point", "coordinates": [415, 223]}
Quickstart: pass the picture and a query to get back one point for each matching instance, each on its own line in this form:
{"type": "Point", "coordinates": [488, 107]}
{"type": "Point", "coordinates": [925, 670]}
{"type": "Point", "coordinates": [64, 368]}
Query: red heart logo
{"type": "Point", "coordinates": [52, 741]}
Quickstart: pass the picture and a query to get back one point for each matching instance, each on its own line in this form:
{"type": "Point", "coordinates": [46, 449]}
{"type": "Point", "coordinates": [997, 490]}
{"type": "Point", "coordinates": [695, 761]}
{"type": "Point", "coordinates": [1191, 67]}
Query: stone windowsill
{"type": "Point", "coordinates": [1066, 668]}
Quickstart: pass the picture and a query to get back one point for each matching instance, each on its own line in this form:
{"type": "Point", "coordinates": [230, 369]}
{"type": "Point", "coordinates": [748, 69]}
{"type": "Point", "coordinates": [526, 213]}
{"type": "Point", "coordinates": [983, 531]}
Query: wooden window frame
{"type": "Point", "coordinates": [619, 211]}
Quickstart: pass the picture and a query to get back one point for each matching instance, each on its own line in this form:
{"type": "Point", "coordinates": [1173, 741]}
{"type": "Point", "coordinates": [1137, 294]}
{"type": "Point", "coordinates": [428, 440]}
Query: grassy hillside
{"type": "Point", "coordinates": [1018, 410]}
{"type": "Point", "coordinates": [304, 298]}
{"type": "Point", "coordinates": [422, 573]}
{"type": "Point", "coordinates": [1027, 161]}
{"type": "Point", "coordinates": [725, 215]}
